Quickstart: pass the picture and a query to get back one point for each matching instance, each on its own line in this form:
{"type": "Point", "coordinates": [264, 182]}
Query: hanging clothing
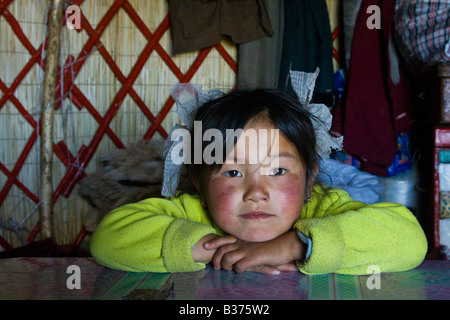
{"type": "Point", "coordinates": [350, 13]}
{"type": "Point", "coordinates": [197, 24]}
{"type": "Point", "coordinates": [259, 60]}
{"type": "Point", "coordinates": [307, 45]}
{"type": "Point", "coordinates": [376, 107]}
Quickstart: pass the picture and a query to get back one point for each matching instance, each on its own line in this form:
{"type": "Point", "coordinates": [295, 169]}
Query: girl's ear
{"type": "Point", "coordinates": [200, 192]}
{"type": "Point", "coordinates": [310, 183]}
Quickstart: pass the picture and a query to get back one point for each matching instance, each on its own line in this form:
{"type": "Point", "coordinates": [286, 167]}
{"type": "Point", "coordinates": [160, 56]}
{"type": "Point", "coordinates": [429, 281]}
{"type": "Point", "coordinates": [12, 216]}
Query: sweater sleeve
{"type": "Point", "coordinates": [348, 237]}
{"type": "Point", "coordinates": [154, 235]}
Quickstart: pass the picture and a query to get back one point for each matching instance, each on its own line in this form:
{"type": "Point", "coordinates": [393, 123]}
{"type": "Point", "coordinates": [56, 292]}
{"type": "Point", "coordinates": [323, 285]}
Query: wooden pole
{"type": "Point", "coordinates": [56, 8]}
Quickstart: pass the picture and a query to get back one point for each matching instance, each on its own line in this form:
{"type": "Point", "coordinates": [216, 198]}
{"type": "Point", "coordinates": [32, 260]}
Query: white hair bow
{"type": "Point", "coordinates": [188, 98]}
{"type": "Point", "coordinates": [303, 84]}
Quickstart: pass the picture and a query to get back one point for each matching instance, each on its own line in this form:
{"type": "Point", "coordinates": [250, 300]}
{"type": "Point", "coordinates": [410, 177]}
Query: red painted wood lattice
{"type": "Point", "coordinates": [71, 69]}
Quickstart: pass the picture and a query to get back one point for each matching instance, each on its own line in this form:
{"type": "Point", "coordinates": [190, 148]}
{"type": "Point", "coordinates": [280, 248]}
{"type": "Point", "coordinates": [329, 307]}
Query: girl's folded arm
{"type": "Point", "coordinates": [356, 237]}
{"type": "Point", "coordinates": [154, 235]}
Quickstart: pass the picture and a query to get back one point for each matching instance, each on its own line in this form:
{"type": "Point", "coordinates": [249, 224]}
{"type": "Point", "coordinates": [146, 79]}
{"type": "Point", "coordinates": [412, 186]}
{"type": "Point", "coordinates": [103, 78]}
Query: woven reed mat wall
{"type": "Point", "coordinates": [117, 75]}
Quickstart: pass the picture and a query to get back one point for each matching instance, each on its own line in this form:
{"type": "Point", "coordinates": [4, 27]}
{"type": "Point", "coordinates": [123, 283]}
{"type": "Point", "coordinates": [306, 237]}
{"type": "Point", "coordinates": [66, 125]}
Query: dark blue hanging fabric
{"type": "Point", "coordinates": [308, 44]}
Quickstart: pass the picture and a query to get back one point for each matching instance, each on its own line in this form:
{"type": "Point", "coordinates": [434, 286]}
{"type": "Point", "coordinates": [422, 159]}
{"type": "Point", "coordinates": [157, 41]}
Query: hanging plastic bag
{"type": "Point", "coordinates": [422, 32]}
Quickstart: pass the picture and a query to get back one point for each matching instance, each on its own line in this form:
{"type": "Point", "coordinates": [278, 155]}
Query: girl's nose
{"type": "Point", "coordinates": [256, 191]}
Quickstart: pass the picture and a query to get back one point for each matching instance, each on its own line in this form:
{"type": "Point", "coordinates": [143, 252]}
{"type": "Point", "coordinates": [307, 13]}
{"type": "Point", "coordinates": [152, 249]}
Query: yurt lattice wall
{"type": "Point", "coordinates": [117, 75]}
{"type": "Point", "coordinates": [117, 72]}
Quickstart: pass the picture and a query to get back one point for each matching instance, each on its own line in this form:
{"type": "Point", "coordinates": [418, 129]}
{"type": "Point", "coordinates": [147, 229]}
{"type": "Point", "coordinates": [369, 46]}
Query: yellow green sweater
{"type": "Point", "coordinates": [156, 235]}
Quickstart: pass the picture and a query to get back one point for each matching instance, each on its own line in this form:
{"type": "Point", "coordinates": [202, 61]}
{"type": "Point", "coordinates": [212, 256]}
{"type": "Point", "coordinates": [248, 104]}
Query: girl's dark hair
{"type": "Point", "coordinates": [236, 109]}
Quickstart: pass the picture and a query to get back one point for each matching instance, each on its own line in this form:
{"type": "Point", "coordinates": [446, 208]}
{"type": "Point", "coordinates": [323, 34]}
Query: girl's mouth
{"type": "Point", "coordinates": [256, 215]}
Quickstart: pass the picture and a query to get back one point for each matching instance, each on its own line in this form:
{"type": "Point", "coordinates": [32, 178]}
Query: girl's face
{"type": "Point", "coordinates": [256, 202]}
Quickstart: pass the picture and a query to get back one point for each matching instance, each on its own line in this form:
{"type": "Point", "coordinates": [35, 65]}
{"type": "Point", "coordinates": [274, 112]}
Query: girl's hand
{"type": "Point", "coordinates": [270, 257]}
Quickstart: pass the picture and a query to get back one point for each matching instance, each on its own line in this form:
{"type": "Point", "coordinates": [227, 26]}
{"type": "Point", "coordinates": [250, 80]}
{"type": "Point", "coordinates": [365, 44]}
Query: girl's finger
{"type": "Point", "coordinates": [218, 242]}
{"type": "Point", "coordinates": [254, 265]}
{"type": "Point", "coordinates": [225, 256]}
{"type": "Point", "coordinates": [270, 270]}
{"type": "Point", "coordinates": [291, 267]}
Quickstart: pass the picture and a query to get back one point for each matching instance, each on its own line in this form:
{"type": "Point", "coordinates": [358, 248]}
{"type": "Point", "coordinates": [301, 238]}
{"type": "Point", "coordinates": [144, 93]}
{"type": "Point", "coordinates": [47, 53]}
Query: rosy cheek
{"type": "Point", "coordinates": [221, 199]}
{"type": "Point", "coordinates": [292, 195]}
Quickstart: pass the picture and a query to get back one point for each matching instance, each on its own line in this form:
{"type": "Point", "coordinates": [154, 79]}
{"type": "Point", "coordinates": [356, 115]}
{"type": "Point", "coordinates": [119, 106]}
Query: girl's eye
{"type": "Point", "coordinates": [233, 173]}
{"type": "Point", "coordinates": [278, 172]}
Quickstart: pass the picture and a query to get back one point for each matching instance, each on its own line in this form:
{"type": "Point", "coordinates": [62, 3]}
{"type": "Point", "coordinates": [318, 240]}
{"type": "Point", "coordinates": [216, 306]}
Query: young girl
{"type": "Point", "coordinates": [264, 216]}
